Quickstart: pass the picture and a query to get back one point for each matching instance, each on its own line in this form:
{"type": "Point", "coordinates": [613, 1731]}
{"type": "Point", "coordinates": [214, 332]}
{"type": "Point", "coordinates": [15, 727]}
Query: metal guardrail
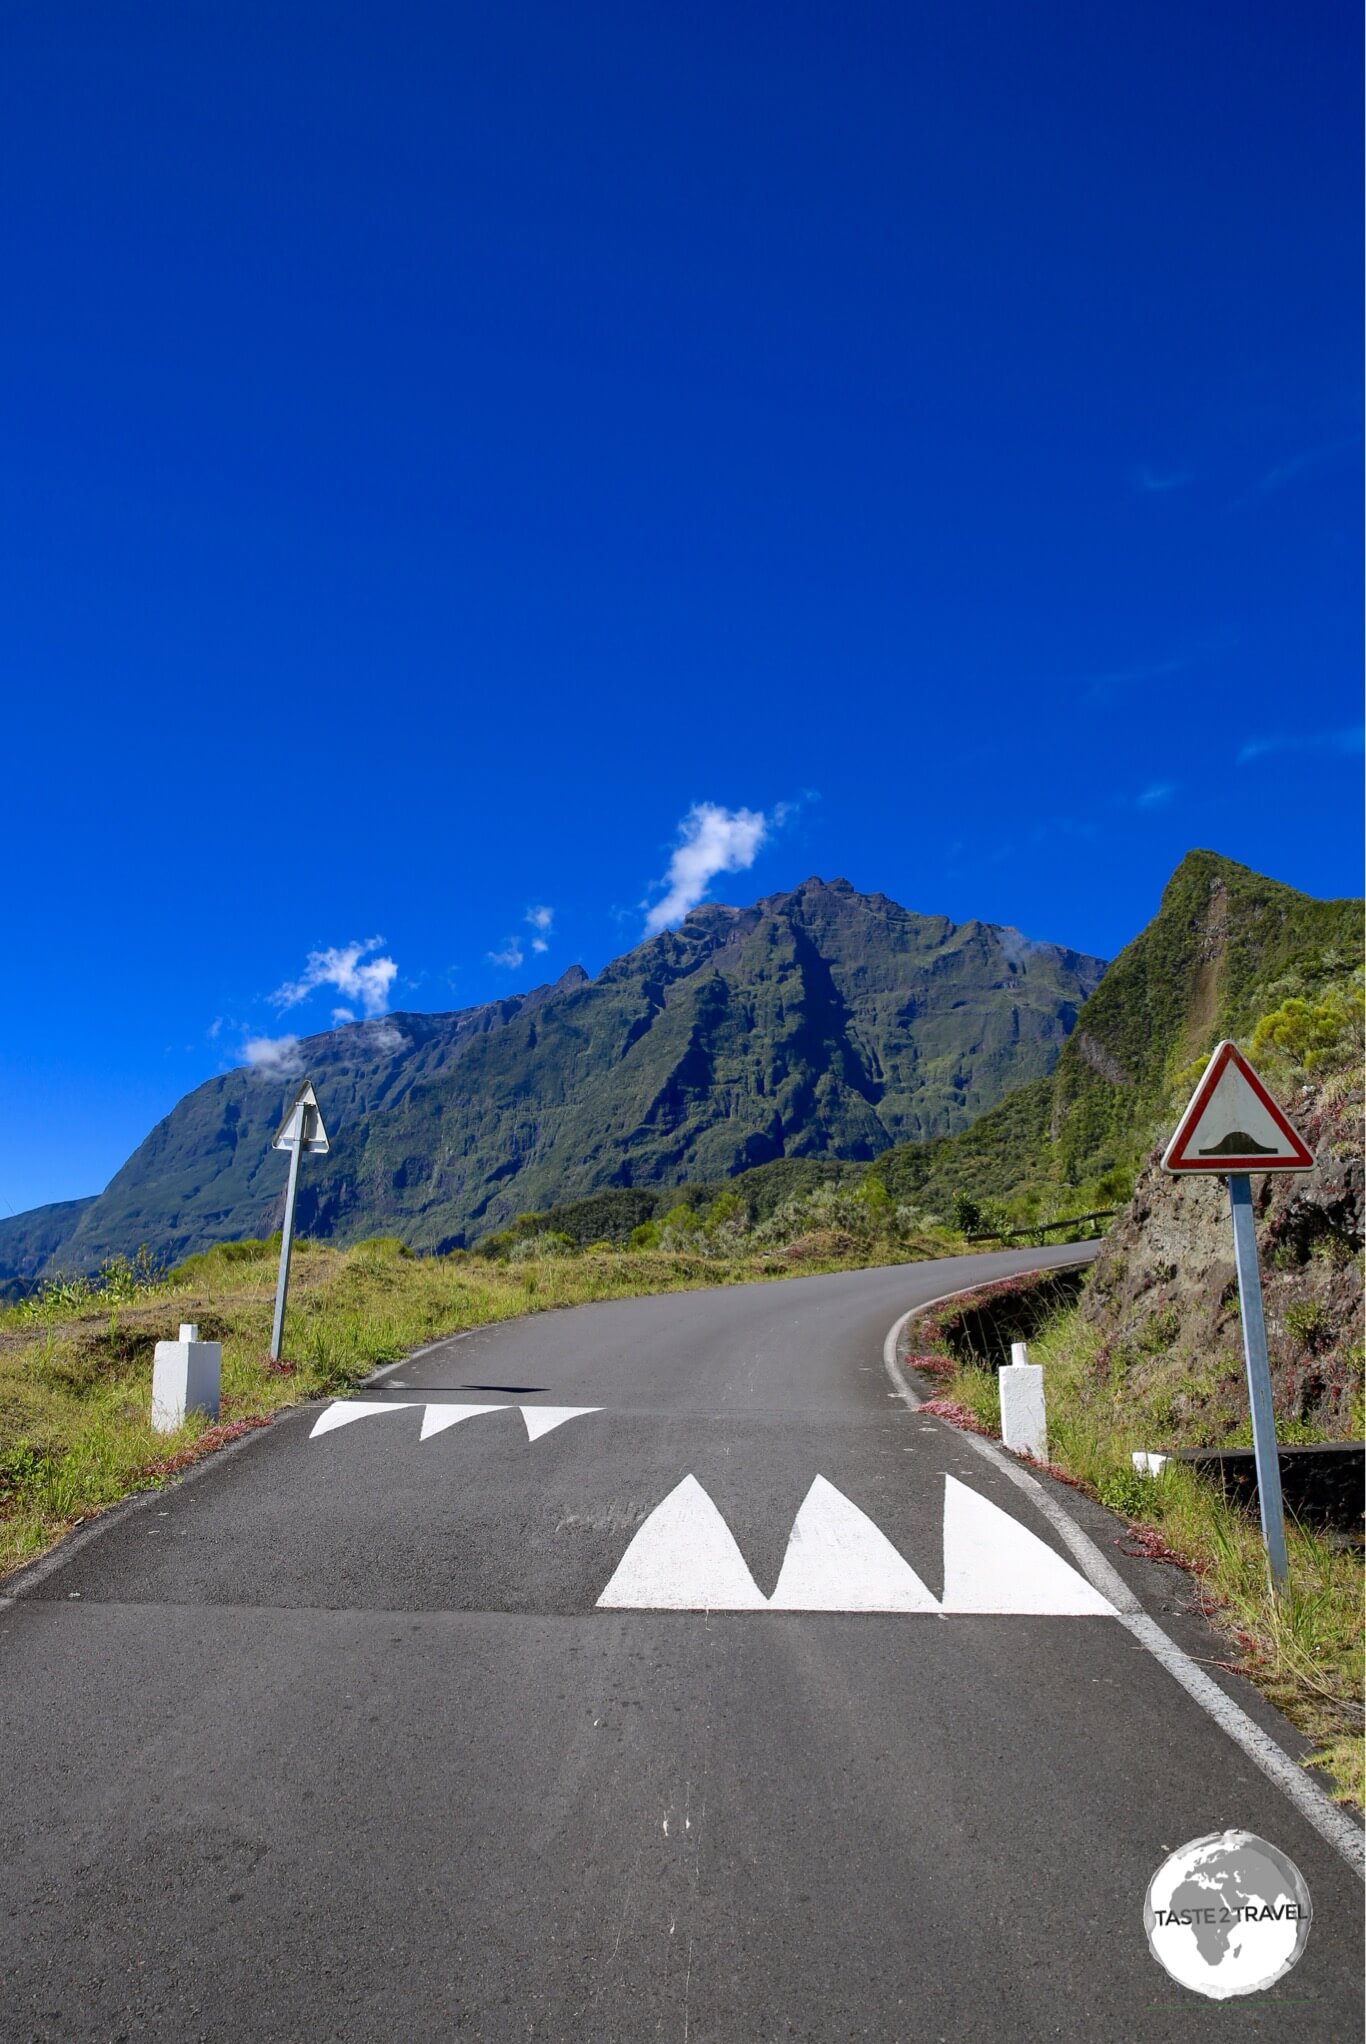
{"type": "Point", "coordinates": [1046, 1227]}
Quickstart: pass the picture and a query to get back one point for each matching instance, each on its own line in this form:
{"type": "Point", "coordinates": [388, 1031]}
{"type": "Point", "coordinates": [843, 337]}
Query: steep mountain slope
{"type": "Point", "coordinates": [1225, 943]}
{"type": "Point", "coordinates": [28, 1240]}
{"type": "Point", "coordinates": [820, 1022]}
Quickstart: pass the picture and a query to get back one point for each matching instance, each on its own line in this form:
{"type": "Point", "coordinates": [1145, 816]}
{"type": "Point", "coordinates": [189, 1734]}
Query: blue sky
{"type": "Point", "coordinates": [471, 469]}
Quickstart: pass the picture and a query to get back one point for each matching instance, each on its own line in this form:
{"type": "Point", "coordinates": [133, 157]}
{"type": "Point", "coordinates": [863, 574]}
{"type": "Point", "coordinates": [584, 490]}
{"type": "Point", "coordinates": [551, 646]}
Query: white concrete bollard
{"type": "Point", "coordinates": [185, 1378]}
{"type": "Point", "coordinates": [1023, 1426]}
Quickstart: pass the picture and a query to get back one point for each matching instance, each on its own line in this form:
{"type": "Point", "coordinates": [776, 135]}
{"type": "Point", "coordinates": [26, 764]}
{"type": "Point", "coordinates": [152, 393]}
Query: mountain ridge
{"type": "Point", "coordinates": [816, 1021]}
{"type": "Point", "coordinates": [1226, 942]}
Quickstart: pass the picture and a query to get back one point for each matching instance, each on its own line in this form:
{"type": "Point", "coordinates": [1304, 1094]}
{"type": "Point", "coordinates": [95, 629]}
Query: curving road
{"type": "Point", "coordinates": [335, 1740]}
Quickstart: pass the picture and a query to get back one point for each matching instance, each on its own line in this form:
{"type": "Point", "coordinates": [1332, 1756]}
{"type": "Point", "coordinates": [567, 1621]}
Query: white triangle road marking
{"type": "Point", "coordinates": [993, 1564]}
{"type": "Point", "coordinates": [838, 1560]}
{"type": "Point", "coordinates": [436, 1418]}
{"type": "Point", "coordinates": [543, 1419]}
{"type": "Point", "coordinates": [346, 1409]}
{"type": "Point", "coordinates": [684, 1558]}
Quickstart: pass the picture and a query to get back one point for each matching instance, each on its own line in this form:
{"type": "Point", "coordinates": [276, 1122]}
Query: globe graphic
{"type": "Point", "coordinates": [1227, 1914]}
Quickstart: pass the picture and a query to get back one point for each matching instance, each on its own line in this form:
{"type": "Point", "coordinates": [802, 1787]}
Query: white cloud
{"type": "Point", "coordinates": [214, 1027]}
{"type": "Point", "coordinates": [275, 1057]}
{"type": "Point", "coordinates": [1348, 741]}
{"type": "Point", "coordinates": [383, 1036]}
{"type": "Point", "coordinates": [1157, 794]}
{"type": "Point", "coordinates": [511, 956]}
{"type": "Point", "coordinates": [349, 969]}
{"type": "Point", "coordinates": [712, 840]}
{"type": "Point", "coordinates": [343, 1015]}
{"type": "Point", "coordinates": [1308, 462]}
{"type": "Point", "coordinates": [542, 921]}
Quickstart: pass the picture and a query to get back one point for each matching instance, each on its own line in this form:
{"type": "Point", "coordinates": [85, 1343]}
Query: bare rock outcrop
{"type": "Point", "coordinates": [1164, 1291]}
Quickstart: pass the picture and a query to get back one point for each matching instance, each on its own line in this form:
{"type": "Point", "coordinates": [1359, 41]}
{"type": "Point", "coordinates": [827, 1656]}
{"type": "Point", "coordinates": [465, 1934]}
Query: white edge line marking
{"type": "Point", "coordinates": [1275, 1763]}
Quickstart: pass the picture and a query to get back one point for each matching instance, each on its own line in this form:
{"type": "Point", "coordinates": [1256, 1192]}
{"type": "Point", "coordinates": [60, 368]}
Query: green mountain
{"type": "Point", "coordinates": [28, 1241]}
{"type": "Point", "coordinates": [818, 1023]}
{"type": "Point", "coordinates": [1226, 945]}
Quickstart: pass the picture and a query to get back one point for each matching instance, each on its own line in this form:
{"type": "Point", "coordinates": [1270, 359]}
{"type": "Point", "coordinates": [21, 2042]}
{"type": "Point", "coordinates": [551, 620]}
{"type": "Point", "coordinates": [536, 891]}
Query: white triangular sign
{"type": "Point", "coordinates": [838, 1560]}
{"type": "Point", "coordinates": [303, 1122]}
{"type": "Point", "coordinates": [684, 1558]}
{"type": "Point", "coordinates": [346, 1409]}
{"type": "Point", "coordinates": [1233, 1124]}
{"type": "Point", "coordinates": [543, 1419]}
{"type": "Point", "coordinates": [994, 1564]}
{"type": "Point", "coordinates": [437, 1418]}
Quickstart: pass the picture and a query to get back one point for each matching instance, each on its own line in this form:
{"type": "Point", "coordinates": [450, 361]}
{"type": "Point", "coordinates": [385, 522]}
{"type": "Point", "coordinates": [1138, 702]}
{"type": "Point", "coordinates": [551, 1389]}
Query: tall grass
{"type": "Point", "coordinates": [1303, 1650]}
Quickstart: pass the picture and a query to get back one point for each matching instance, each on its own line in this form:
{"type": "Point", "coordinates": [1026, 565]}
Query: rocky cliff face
{"type": "Point", "coordinates": [820, 1022]}
{"type": "Point", "coordinates": [1203, 968]}
{"type": "Point", "coordinates": [1164, 1291]}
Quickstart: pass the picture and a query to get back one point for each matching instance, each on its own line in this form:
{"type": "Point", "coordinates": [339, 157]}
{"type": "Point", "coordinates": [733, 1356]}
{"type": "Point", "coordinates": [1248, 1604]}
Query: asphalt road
{"type": "Point", "coordinates": [335, 1741]}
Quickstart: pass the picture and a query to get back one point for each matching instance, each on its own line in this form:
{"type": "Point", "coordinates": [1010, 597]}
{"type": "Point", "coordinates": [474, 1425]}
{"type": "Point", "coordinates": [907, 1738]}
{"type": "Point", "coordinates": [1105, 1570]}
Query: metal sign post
{"type": "Point", "coordinates": [1231, 1128]}
{"type": "Point", "coordinates": [301, 1130]}
{"type": "Point", "coordinates": [1258, 1378]}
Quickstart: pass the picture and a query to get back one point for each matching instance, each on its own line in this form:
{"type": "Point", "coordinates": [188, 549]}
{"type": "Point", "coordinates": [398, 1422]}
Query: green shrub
{"type": "Point", "coordinates": [1127, 1493]}
{"type": "Point", "coordinates": [546, 1243]}
{"type": "Point", "coordinates": [1319, 1034]}
{"type": "Point", "coordinates": [1307, 1322]}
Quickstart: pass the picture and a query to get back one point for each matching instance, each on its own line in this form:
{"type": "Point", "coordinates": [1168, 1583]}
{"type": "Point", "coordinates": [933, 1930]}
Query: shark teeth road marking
{"type": "Point", "coordinates": [346, 1409]}
{"type": "Point", "coordinates": [838, 1560]}
{"type": "Point", "coordinates": [436, 1418]}
{"type": "Point", "coordinates": [540, 1419]}
{"type": "Point", "coordinates": [993, 1564]}
{"type": "Point", "coordinates": [543, 1419]}
{"type": "Point", "coordinates": [684, 1558]}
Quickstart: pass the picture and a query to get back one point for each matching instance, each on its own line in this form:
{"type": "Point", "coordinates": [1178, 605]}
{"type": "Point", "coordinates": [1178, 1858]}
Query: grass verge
{"type": "Point", "coordinates": [76, 1368]}
{"type": "Point", "coordinates": [1304, 1652]}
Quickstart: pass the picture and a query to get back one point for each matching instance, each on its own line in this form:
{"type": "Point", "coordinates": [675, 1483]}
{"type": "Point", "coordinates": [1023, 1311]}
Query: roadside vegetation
{"type": "Point", "coordinates": [76, 1358]}
{"type": "Point", "coordinates": [1143, 1355]}
{"type": "Point", "coordinates": [1150, 1358]}
{"type": "Point", "coordinates": [1305, 1652]}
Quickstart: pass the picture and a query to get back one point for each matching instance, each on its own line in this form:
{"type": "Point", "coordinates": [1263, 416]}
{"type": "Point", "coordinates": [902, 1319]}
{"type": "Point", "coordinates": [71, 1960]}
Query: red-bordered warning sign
{"type": "Point", "coordinates": [1233, 1124]}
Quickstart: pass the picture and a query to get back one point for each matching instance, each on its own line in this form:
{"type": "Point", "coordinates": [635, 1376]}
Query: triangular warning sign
{"type": "Point", "coordinates": [303, 1123]}
{"type": "Point", "coordinates": [1233, 1124]}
